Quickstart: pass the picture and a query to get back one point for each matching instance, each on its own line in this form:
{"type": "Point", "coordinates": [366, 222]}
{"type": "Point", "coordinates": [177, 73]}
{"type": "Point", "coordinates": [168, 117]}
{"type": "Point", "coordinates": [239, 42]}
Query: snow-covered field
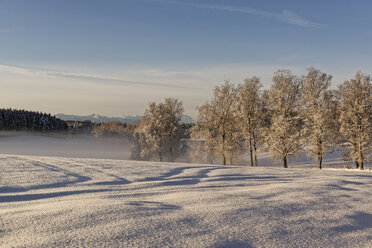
{"type": "Point", "coordinates": [76, 202]}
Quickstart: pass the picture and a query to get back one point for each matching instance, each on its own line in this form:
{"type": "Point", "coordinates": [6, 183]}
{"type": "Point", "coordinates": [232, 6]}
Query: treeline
{"type": "Point", "coordinates": [12, 119]}
{"type": "Point", "coordinates": [22, 120]}
{"type": "Point", "coordinates": [99, 130]}
{"type": "Point", "coordinates": [297, 113]}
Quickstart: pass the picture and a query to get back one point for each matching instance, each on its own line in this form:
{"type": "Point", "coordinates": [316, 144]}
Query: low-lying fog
{"type": "Point", "coordinates": [64, 146]}
{"type": "Point", "coordinates": [80, 146]}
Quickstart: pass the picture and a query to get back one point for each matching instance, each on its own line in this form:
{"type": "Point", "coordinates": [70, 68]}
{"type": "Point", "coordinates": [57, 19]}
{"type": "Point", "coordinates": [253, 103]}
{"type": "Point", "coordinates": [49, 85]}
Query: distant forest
{"type": "Point", "coordinates": [12, 119]}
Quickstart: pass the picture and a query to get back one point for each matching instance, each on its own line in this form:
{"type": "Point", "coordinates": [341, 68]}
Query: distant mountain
{"type": "Point", "coordinates": [100, 118]}
{"type": "Point", "coordinates": [187, 119]}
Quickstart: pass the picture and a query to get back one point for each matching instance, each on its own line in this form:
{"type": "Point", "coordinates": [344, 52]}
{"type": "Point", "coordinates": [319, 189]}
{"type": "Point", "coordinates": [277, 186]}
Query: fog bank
{"type": "Point", "coordinates": [64, 146]}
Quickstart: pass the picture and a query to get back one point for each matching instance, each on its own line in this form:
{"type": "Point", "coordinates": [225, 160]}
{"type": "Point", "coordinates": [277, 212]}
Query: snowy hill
{"type": "Point", "coordinates": [74, 202]}
{"type": "Point", "coordinates": [99, 118]}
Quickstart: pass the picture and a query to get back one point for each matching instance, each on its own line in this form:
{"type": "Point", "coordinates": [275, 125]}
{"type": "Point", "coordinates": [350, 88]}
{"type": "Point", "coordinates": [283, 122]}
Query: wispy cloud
{"type": "Point", "coordinates": [72, 75]}
{"type": "Point", "coordinates": [292, 18]}
{"type": "Point", "coordinates": [284, 16]}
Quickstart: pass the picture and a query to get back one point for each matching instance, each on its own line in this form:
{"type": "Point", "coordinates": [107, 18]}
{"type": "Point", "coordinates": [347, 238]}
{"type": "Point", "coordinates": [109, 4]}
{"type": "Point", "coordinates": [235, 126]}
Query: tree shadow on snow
{"type": "Point", "coordinates": [7, 189]}
{"type": "Point", "coordinates": [338, 187]}
{"type": "Point", "coordinates": [237, 177]}
{"type": "Point", "coordinates": [180, 182]}
{"type": "Point", "coordinates": [120, 181]}
{"type": "Point", "coordinates": [362, 221]}
{"type": "Point", "coordinates": [175, 177]}
{"type": "Point", "coordinates": [62, 184]}
{"type": "Point", "coordinates": [164, 176]}
{"type": "Point", "coordinates": [351, 182]}
{"type": "Point", "coordinates": [361, 176]}
{"type": "Point", "coordinates": [151, 205]}
{"type": "Point", "coordinates": [32, 197]}
{"type": "Point", "coordinates": [77, 179]}
{"type": "Point", "coordinates": [235, 244]}
{"type": "Point", "coordinates": [171, 179]}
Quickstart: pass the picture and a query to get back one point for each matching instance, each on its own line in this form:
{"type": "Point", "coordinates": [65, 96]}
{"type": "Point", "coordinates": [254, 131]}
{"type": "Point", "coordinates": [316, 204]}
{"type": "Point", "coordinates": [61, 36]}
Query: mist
{"type": "Point", "coordinates": [60, 145]}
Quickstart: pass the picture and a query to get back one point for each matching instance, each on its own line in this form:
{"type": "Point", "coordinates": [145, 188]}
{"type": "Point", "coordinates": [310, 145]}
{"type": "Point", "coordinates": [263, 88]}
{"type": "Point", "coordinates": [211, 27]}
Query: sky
{"type": "Point", "coordinates": [113, 57]}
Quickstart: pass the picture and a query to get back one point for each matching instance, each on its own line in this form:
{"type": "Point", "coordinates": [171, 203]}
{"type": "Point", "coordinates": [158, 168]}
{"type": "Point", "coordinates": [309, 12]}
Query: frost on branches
{"type": "Point", "coordinates": [284, 135]}
{"type": "Point", "coordinates": [296, 114]}
{"type": "Point", "coordinates": [216, 126]}
{"type": "Point", "coordinates": [159, 132]}
{"type": "Point", "coordinates": [252, 114]}
{"type": "Point", "coordinates": [320, 114]}
{"type": "Point", "coordinates": [356, 117]}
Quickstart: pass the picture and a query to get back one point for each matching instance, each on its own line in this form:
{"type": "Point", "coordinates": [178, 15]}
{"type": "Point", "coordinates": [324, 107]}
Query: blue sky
{"type": "Point", "coordinates": [113, 57]}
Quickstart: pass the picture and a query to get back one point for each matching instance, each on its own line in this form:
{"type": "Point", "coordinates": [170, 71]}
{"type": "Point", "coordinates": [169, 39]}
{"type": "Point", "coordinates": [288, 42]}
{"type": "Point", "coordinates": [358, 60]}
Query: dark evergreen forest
{"type": "Point", "coordinates": [13, 119]}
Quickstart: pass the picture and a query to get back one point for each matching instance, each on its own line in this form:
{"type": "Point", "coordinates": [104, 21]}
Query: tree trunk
{"type": "Point", "coordinates": [255, 152]}
{"type": "Point", "coordinates": [285, 161]}
{"type": "Point", "coordinates": [320, 153]}
{"type": "Point", "coordinates": [320, 159]}
{"type": "Point", "coordinates": [223, 149]}
{"type": "Point", "coordinates": [255, 158]}
{"type": "Point", "coordinates": [356, 164]}
{"type": "Point", "coordinates": [361, 166]}
{"type": "Point", "coordinates": [160, 157]}
{"type": "Point", "coordinates": [171, 155]}
{"type": "Point", "coordinates": [251, 151]}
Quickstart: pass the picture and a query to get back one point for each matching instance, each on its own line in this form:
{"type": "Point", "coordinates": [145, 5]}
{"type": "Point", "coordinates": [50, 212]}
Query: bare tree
{"type": "Point", "coordinates": [283, 136]}
{"type": "Point", "coordinates": [217, 125]}
{"type": "Point", "coordinates": [320, 114]}
{"type": "Point", "coordinates": [249, 104]}
{"type": "Point", "coordinates": [356, 116]}
{"type": "Point", "coordinates": [159, 131]}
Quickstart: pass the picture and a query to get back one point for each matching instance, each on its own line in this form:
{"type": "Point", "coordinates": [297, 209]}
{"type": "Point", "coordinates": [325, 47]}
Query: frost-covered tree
{"type": "Point", "coordinates": [159, 132]}
{"type": "Point", "coordinates": [217, 127]}
{"type": "Point", "coordinates": [109, 129]}
{"type": "Point", "coordinates": [173, 130]}
{"type": "Point", "coordinates": [250, 113]}
{"type": "Point", "coordinates": [283, 137]}
{"type": "Point", "coordinates": [202, 149]}
{"type": "Point", "coordinates": [320, 114]}
{"type": "Point", "coordinates": [356, 116]}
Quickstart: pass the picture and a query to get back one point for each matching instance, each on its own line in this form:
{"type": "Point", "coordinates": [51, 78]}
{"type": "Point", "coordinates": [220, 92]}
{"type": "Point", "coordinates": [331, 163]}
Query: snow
{"type": "Point", "coordinates": [90, 202]}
